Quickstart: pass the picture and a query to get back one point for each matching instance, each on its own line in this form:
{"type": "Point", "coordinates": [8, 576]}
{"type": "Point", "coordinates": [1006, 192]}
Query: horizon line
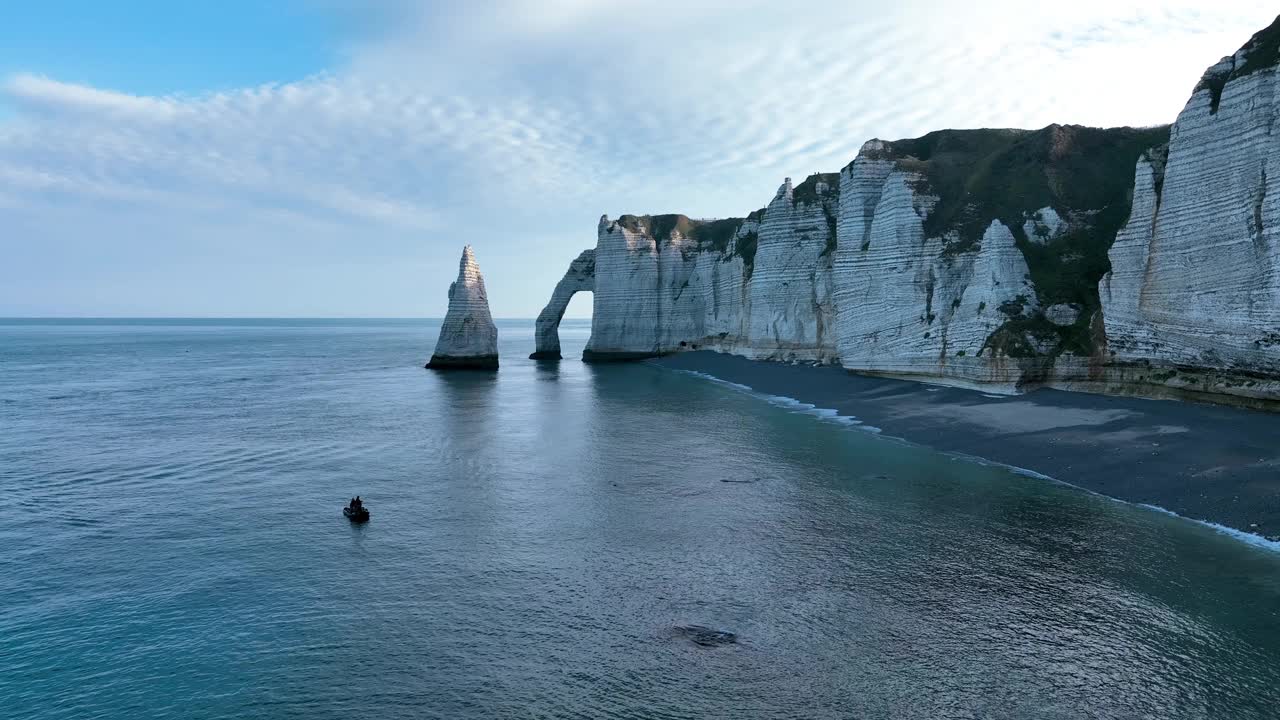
{"type": "Point", "coordinates": [4, 318]}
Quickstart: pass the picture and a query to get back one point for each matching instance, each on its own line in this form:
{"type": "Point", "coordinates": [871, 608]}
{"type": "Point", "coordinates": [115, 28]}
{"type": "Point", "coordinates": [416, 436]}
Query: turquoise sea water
{"type": "Point", "coordinates": [172, 547]}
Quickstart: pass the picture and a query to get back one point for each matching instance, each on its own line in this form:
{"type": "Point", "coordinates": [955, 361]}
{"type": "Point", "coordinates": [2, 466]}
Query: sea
{"type": "Point", "coordinates": [559, 540]}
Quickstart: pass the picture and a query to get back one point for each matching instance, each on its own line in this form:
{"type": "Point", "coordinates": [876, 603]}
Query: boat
{"type": "Point", "coordinates": [356, 513]}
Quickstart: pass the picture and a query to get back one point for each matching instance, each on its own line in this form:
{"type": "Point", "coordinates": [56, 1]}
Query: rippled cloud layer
{"type": "Point", "coordinates": [514, 127]}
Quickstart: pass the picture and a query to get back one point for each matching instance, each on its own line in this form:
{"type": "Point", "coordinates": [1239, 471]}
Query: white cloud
{"type": "Point", "coordinates": [520, 122]}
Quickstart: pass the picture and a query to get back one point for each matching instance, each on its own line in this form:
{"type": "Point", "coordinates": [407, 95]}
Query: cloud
{"type": "Point", "coordinates": [40, 93]}
{"type": "Point", "coordinates": [514, 125]}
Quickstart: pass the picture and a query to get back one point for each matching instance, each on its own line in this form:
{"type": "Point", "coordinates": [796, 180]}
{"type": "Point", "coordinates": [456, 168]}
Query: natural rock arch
{"type": "Point", "coordinates": [580, 276]}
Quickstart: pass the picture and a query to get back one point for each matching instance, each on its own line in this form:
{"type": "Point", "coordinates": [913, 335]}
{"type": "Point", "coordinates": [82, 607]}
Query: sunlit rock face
{"type": "Point", "coordinates": [973, 256]}
{"type": "Point", "coordinates": [1193, 297]}
{"type": "Point", "coordinates": [580, 276]}
{"type": "Point", "coordinates": [626, 317]}
{"type": "Point", "coordinates": [468, 338]}
{"type": "Point", "coordinates": [790, 310]}
{"type": "Point", "coordinates": [910, 308]}
{"type": "Point", "coordinates": [759, 286]}
{"type": "Point", "coordinates": [658, 280]}
{"type": "Point", "coordinates": [1114, 260]}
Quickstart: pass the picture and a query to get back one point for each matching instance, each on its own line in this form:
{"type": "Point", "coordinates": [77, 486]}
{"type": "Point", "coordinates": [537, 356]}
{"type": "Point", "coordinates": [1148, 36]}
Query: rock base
{"type": "Point", "coordinates": [452, 362]}
{"type": "Point", "coordinates": [595, 356]}
{"type": "Point", "coordinates": [546, 355]}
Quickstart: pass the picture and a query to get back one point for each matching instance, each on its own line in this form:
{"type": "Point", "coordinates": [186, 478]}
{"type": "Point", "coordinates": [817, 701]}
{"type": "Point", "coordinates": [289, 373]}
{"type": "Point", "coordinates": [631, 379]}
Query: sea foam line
{"type": "Point", "coordinates": [832, 415]}
{"type": "Point", "coordinates": [790, 403]}
{"type": "Point", "coordinates": [1241, 535]}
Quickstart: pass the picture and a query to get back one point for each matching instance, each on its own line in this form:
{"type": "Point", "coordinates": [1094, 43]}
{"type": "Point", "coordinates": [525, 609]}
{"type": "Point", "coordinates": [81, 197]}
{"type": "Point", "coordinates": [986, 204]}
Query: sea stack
{"type": "Point", "coordinates": [468, 337]}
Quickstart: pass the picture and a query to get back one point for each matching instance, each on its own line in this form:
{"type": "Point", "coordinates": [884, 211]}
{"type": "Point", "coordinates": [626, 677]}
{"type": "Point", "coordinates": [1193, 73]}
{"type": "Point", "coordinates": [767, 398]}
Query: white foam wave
{"type": "Point", "coordinates": [789, 403]}
{"type": "Point", "coordinates": [832, 415]}
{"type": "Point", "coordinates": [1241, 535]}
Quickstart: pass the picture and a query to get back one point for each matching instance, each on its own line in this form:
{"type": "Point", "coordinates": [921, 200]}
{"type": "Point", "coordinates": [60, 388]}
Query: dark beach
{"type": "Point", "coordinates": [1206, 462]}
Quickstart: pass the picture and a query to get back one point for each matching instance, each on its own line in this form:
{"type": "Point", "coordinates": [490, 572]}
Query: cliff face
{"type": "Point", "coordinates": [790, 297]}
{"type": "Point", "coordinates": [468, 337]}
{"type": "Point", "coordinates": [760, 286]}
{"type": "Point", "coordinates": [964, 255]}
{"type": "Point", "coordinates": [1193, 298]}
{"type": "Point", "coordinates": [974, 255]}
{"type": "Point", "coordinates": [1116, 260]}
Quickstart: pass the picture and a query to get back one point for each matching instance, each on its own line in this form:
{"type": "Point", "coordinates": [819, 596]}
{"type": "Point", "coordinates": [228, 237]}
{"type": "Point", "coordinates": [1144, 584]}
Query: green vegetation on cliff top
{"type": "Point", "coordinates": [1262, 52]}
{"type": "Point", "coordinates": [716, 235]}
{"type": "Point", "coordinates": [1084, 174]}
{"type": "Point", "coordinates": [707, 234]}
{"type": "Point", "coordinates": [807, 191]}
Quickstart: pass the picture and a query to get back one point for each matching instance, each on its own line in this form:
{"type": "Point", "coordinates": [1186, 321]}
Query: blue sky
{"type": "Point", "coordinates": [161, 46]}
{"type": "Point", "coordinates": [331, 157]}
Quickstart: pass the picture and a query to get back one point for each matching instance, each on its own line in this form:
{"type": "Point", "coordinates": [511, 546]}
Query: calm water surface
{"type": "Point", "coordinates": [172, 547]}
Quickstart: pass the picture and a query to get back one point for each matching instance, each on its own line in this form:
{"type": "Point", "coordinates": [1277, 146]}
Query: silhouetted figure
{"type": "Point", "coordinates": [355, 510]}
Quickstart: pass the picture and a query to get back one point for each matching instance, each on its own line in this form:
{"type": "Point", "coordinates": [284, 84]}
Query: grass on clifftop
{"type": "Point", "coordinates": [1261, 52]}
{"type": "Point", "coordinates": [707, 234]}
{"type": "Point", "coordinates": [716, 235]}
{"type": "Point", "coordinates": [1085, 174]}
{"type": "Point", "coordinates": [807, 191]}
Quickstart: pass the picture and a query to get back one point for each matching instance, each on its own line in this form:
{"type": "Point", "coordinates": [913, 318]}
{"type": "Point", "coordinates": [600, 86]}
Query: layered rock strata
{"type": "Point", "coordinates": [1116, 260]}
{"type": "Point", "coordinates": [468, 338]}
{"type": "Point", "coordinates": [1192, 301]}
{"type": "Point", "coordinates": [973, 256]}
{"type": "Point", "coordinates": [759, 286]}
{"type": "Point", "coordinates": [580, 276]}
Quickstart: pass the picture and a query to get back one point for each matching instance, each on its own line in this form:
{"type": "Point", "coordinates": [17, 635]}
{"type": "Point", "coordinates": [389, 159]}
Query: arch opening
{"type": "Point", "coordinates": [579, 278]}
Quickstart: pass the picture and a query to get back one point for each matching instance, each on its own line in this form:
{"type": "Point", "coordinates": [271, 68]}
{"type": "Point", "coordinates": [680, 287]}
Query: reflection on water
{"type": "Point", "coordinates": [541, 535]}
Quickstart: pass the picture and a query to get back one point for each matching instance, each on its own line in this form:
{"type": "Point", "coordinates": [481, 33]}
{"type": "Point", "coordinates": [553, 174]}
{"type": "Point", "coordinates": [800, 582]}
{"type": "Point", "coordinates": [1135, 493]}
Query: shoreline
{"type": "Point", "coordinates": [1214, 464]}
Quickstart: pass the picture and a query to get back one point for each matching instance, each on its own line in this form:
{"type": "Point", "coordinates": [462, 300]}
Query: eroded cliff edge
{"type": "Point", "coordinates": [759, 286]}
{"type": "Point", "coordinates": [975, 255]}
{"type": "Point", "coordinates": [1137, 260]}
{"type": "Point", "coordinates": [1192, 302]}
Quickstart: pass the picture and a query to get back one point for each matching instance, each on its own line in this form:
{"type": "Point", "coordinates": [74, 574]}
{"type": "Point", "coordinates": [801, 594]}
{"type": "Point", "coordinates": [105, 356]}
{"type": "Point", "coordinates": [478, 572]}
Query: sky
{"type": "Point", "coordinates": [330, 158]}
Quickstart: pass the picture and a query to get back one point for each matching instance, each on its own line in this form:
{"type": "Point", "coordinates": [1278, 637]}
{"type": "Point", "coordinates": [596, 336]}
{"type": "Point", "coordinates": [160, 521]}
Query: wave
{"type": "Point", "coordinates": [792, 404]}
{"type": "Point", "coordinates": [1241, 535]}
{"type": "Point", "coordinates": [833, 415]}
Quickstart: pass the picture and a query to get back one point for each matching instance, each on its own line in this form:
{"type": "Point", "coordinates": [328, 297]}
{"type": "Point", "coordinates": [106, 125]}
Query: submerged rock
{"type": "Point", "coordinates": [705, 636]}
{"type": "Point", "coordinates": [468, 337]}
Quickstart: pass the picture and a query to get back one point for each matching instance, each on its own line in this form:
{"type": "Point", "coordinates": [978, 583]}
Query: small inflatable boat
{"type": "Point", "coordinates": [356, 514]}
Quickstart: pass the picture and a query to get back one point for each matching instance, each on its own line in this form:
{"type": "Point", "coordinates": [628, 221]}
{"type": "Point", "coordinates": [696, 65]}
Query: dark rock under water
{"type": "Point", "coordinates": [705, 636]}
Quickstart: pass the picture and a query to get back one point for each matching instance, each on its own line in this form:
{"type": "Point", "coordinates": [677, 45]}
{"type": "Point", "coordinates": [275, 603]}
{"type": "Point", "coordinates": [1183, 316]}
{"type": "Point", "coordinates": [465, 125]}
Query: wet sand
{"type": "Point", "coordinates": [1205, 462]}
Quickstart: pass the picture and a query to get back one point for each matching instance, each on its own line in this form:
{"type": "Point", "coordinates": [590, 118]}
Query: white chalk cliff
{"type": "Point", "coordinates": [1115, 260]}
{"type": "Point", "coordinates": [759, 286]}
{"type": "Point", "coordinates": [580, 276]}
{"type": "Point", "coordinates": [908, 307]}
{"type": "Point", "coordinates": [1193, 297]}
{"type": "Point", "coordinates": [468, 337]}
